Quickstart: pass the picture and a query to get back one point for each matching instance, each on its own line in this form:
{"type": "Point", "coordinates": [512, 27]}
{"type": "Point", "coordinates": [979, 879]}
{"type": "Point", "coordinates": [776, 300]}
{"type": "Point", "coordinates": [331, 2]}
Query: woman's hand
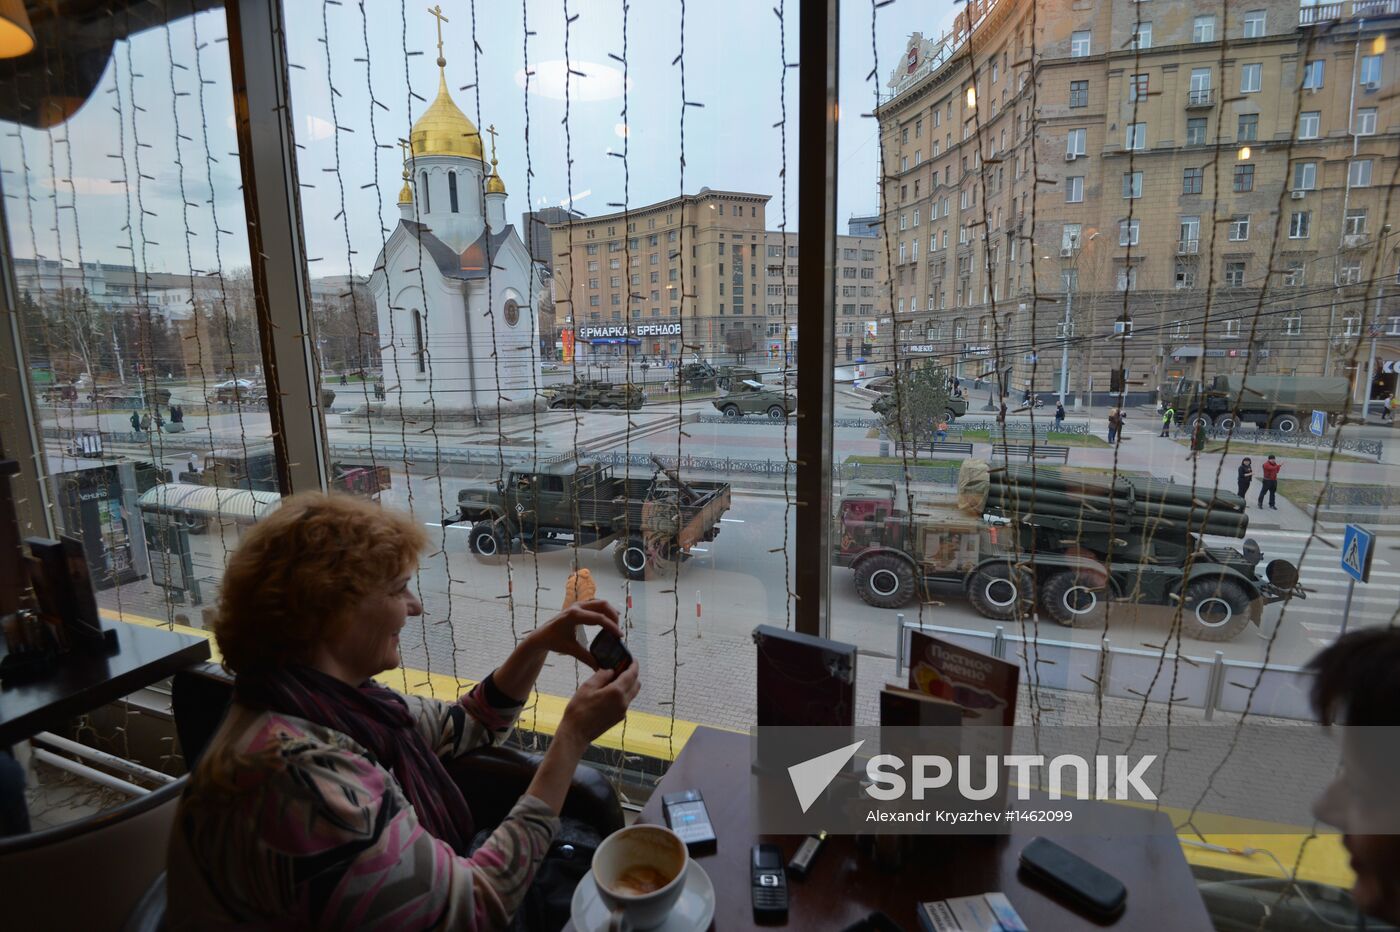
{"type": "Point", "coordinates": [600, 703]}
{"type": "Point", "coordinates": [559, 634]}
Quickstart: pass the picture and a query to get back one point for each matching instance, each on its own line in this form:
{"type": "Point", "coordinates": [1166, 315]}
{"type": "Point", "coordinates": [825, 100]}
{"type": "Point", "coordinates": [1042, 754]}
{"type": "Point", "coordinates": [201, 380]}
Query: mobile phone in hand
{"type": "Point", "coordinates": [609, 652]}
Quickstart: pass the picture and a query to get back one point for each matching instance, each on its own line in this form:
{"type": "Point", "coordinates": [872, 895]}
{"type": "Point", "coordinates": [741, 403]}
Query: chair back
{"type": "Point", "coordinates": [199, 697]}
{"type": "Point", "coordinates": [91, 873]}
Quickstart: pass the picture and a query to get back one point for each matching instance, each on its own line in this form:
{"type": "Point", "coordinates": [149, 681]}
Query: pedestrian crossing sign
{"type": "Point", "coordinates": [1357, 548]}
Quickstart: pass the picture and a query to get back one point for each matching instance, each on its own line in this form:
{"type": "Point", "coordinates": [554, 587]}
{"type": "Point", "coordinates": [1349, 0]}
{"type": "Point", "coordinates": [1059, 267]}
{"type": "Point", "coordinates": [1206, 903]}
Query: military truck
{"type": "Point", "coordinates": [750, 397]}
{"type": "Point", "coordinates": [652, 521]}
{"type": "Point", "coordinates": [701, 376]}
{"type": "Point", "coordinates": [254, 468]}
{"type": "Point", "coordinates": [956, 408]}
{"type": "Point", "coordinates": [587, 394]}
{"type": "Point", "coordinates": [1068, 544]}
{"type": "Point", "coordinates": [1282, 403]}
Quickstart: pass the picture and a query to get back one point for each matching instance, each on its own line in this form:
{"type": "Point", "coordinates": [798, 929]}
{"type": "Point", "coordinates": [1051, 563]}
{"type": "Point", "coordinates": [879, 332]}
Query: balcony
{"type": "Point", "coordinates": [1188, 247]}
{"type": "Point", "coordinates": [1200, 98]}
{"type": "Point", "coordinates": [1351, 9]}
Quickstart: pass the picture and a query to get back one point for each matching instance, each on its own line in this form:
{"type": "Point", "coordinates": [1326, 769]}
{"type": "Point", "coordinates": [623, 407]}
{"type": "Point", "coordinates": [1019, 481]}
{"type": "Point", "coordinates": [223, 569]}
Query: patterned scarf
{"type": "Point", "coordinates": [379, 721]}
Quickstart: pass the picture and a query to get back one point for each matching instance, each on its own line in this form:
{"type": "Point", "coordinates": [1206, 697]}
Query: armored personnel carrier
{"type": "Point", "coordinates": [587, 394]}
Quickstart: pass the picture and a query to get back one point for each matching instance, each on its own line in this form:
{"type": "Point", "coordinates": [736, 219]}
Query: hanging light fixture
{"type": "Point", "coordinates": [16, 35]}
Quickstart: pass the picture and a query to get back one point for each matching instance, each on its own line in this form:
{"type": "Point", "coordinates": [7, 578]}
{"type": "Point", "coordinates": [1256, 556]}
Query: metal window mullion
{"type": "Point", "coordinates": [816, 289]}
{"type": "Point", "coordinates": [271, 195]}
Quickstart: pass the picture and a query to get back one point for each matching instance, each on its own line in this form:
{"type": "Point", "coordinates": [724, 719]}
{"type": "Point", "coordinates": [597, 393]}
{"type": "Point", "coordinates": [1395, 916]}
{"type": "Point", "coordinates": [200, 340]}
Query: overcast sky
{"type": "Point", "coordinates": [732, 67]}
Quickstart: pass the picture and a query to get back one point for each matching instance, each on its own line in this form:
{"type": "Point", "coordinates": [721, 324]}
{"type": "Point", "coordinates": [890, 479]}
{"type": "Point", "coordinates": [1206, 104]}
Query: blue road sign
{"type": "Point", "coordinates": [1319, 423]}
{"type": "Point", "coordinates": [1357, 548]}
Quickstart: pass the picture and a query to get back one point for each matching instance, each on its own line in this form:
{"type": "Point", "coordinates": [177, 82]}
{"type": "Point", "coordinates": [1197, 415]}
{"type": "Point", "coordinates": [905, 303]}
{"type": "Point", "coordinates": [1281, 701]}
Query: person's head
{"type": "Point", "coordinates": [1271, 458]}
{"type": "Point", "coordinates": [1357, 684]}
{"type": "Point", "coordinates": [321, 581]}
{"type": "Point", "coordinates": [1248, 462]}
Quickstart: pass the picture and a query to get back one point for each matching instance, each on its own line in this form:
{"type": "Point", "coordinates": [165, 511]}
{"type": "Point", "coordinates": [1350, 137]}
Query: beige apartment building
{"type": "Point", "coordinates": [679, 278]}
{"type": "Point", "coordinates": [1146, 190]}
{"type": "Point", "coordinates": [861, 298]}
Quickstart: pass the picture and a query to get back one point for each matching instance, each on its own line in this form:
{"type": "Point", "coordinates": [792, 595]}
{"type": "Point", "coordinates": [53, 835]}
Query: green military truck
{"type": "Point", "coordinates": [701, 376]}
{"type": "Point", "coordinates": [955, 407]}
{"type": "Point", "coordinates": [588, 394]}
{"type": "Point", "coordinates": [653, 521]}
{"type": "Point", "coordinates": [1067, 544]}
{"type": "Point", "coordinates": [1278, 402]}
{"type": "Point", "coordinates": [751, 397]}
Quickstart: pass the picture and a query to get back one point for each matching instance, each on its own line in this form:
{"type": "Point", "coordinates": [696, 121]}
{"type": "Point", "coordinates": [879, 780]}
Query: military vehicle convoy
{"type": "Point", "coordinates": [1282, 403]}
{"type": "Point", "coordinates": [654, 521]}
{"type": "Point", "coordinates": [753, 397]}
{"type": "Point", "coordinates": [587, 394]}
{"type": "Point", "coordinates": [1013, 544]}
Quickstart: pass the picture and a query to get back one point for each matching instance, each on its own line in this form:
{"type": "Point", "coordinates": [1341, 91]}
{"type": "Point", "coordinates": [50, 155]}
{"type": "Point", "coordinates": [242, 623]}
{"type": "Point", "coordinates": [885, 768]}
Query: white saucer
{"type": "Point", "coordinates": [693, 911]}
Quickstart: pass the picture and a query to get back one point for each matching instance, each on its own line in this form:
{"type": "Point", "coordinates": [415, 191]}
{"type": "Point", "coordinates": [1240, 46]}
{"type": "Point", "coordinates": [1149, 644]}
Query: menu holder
{"type": "Point", "coordinates": [67, 602]}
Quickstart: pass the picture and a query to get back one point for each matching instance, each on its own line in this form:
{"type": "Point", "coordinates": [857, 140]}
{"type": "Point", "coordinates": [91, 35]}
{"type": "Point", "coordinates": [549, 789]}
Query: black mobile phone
{"type": "Point", "coordinates": [1074, 880]}
{"type": "Point", "coordinates": [609, 652]}
{"type": "Point", "coordinates": [687, 816]}
{"type": "Point", "coordinates": [770, 892]}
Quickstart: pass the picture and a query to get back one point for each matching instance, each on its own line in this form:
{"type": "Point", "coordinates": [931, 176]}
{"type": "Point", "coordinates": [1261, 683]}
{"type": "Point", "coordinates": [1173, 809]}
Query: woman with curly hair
{"type": "Point", "coordinates": [322, 801]}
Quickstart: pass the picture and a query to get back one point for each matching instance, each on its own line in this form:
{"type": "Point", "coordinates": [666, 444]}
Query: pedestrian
{"type": "Point", "coordinates": [135, 422]}
{"type": "Point", "coordinates": [1269, 483]}
{"type": "Point", "coordinates": [1246, 475]}
{"type": "Point", "coordinates": [159, 421]}
{"type": "Point", "coordinates": [343, 379]}
{"type": "Point", "coordinates": [1168, 419]}
{"type": "Point", "coordinates": [1198, 438]}
{"type": "Point", "coordinates": [146, 421]}
{"type": "Point", "coordinates": [194, 464]}
{"type": "Point", "coordinates": [1392, 403]}
{"type": "Point", "coordinates": [1059, 415]}
{"type": "Point", "coordinates": [942, 433]}
{"type": "Point", "coordinates": [1115, 422]}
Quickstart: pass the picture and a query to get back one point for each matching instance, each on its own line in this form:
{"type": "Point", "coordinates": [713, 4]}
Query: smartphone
{"type": "Point", "coordinates": [770, 893]}
{"type": "Point", "coordinates": [1074, 880]}
{"type": "Point", "coordinates": [609, 652]}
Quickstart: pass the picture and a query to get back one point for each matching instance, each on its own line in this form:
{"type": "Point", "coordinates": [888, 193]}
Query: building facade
{"type": "Point", "coordinates": [860, 298]}
{"type": "Point", "coordinates": [1133, 193]}
{"type": "Point", "coordinates": [677, 279]}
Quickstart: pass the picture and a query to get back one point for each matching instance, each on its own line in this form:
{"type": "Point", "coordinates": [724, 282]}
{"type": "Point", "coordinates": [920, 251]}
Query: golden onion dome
{"type": "Point", "coordinates": [444, 129]}
{"type": "Point", "coordinates": [406, 192]}
{"type": "Point", "coordinates": [494, 184]}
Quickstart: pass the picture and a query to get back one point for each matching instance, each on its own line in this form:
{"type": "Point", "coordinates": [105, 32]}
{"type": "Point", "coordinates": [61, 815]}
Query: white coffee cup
{"type": "Point", "coordinates": [629, 865]}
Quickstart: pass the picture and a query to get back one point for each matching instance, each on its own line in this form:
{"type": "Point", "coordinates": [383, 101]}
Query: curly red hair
{"type": "Point", "coordinates": [298, 575]}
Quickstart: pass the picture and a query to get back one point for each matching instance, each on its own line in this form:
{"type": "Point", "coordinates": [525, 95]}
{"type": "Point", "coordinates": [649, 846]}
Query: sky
{"type": "Point", "coordinates": [164, 200]}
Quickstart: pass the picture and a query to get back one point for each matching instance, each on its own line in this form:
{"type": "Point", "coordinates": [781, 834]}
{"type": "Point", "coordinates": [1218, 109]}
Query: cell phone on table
{"type": "Point", "coordinates": [609, 652]}
{"type": "Point", "coordinates": [1066, 875]}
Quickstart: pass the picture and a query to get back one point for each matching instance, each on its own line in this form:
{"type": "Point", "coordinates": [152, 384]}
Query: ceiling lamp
{"type": "Point", "coordinates": [16, 35]}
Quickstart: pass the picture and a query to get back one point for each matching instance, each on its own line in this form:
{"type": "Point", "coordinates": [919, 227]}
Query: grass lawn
{"type": "Point", "coordinates": [984, 436]}
{"type": "Point", "coordinates": [865, 460]}
{"type": "Point", "coordinates": [1282, 451]}
{"type": "Point", "coordinates": [1304, 492]}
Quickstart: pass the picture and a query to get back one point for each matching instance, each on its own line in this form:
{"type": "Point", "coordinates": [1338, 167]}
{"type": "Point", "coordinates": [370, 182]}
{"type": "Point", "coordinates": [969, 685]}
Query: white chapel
{"type": "Point", "coordinates": [454, 286]}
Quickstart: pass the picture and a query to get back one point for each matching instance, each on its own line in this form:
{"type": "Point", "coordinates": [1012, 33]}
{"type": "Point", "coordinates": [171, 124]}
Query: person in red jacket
{"type": "Point", "coordinates": [1270, 482]}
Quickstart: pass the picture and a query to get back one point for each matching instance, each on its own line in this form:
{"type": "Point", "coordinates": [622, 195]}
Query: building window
{"type": "Point", "coordinates": [1359, 173]}
{"type": "Point", "coordinates": [427, 193]}
{"type": "Point", "coordinates": [1200, 86]}
{"type": "Point", "coordinates": [1304, 176]}
{"type": "Point", "coordinates": [1293, 324]}
{"type": "Point", "coordinates": [452, 191]}
{"type": "Point", "coordinates": [1234, 274]}
{"type": "Point", "coordinates": [1135, 136]}
{"type": "Point", "coordinates": [1230, 328]}
{"type": "Point", "coordinates": [1309, 124]}
{"type": "Point", "coordinates": [1393, 329]}
{"type": "Point", "coordinates": [1244, 178]}
{"type": "Point", "coordinates": [1127, 281]}
{"type": "Point", "coordinates": [1239, 228]}
{"type": "Point", "coordinates": [1191, 180]}
{"type": "Point", "coordinates": [1142, 39]}
{"type": "Point", "coordinates": [1203, 29]}
{"type": "Point", "coordinates": [1185, 278]}
{"type": "Point", "coordinates": [1354, 223]}
{"type": "Point", "coordinates": [1078, 44]}
{"type": "Point", "coordinates": [1189, 240]}
{"type": "Point", "coordinates": [1351, 326]}
{"type": "Point", "coordinates": [1251, 78]}
{"type": "Point", "coordinates": [1079, 93]}
{"type": "Point", "coordinates": [1128, 232]}
{"type": "Point", "coordinates": [1300, 224]}
{"type": "Point", "coordinates": [1254, 22]}
{"type": "Point", "coordinates": [420, 352]}
{"type": "Point", "coordinates": [1137, 87]}
{"type": "Point", "coordinates": [1369, 75]}
{"type": "Point", "coordinates": [1295, 275]}
{"type": "Point", "coordinates": [1366, 121]}
{"type": "Point", "coordinates": [1248, 128]}
{"type": "Point", "coordinates": [1074, 189]}
{"type": "Point", "coordinates": [1132, 184]}
{"type": "Point", "coordinates": [1077, 142]}
{"type": "Point", "coordinates": [1312, 75]}
{"type": "Point", "coordinates": [1196, 131]}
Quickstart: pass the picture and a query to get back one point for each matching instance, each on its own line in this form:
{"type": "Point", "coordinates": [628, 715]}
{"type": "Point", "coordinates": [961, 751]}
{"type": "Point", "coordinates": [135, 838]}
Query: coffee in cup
{"type": "Point", "coordinates": [640, 872]}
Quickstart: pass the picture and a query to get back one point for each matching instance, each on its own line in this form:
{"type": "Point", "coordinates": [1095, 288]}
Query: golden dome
{"type": "Point", "coordinates": [406, 193]}
{"type": "Point", "coordinates": [443, 129]}
{"type": "Point", "coordinates": [494, 184]}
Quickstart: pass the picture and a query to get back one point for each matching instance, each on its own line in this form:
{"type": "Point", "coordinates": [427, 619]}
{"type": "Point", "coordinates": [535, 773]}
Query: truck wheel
{"type": "Point", "coordinates": [777, 413]}
{"type": "Point", "coordinates": [1215, 609]}
{"type": "Point", "coordinates": [885, 581]}
{"type": "Point", "coordinates": [1202, 419]}
{"type": "Point", "coordinates": [1075, 598]}
{"type": "Point", "coordinates": [730, 410]}
{"type": "Point", "coordinates": [632, 558]}
{"type": "Point", "coordinates": [998, 591]}
{"type": "Point", "coordinates": [1227, 422]}
{"type": "Point", "coordinates": [1285, 423]}
{"type": "Point", "coordinates": [556, 404]}
{"type": "Point", "coordinates": [485, 539]}
{"type": "Point", "coordinates": [950, 416]}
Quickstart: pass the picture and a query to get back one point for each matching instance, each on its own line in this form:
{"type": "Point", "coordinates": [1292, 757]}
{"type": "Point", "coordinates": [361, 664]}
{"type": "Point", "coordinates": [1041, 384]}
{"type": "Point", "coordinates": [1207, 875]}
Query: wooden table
{"type": "Point", "coordinates": [84, 682]}
{"type": "Point", "coordinates": [844, 887]}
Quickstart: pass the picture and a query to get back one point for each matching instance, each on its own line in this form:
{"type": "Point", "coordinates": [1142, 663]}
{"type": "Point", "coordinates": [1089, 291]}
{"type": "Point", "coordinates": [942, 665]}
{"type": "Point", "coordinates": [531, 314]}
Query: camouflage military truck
{"type": "Point", "coordinates": [700, 376]}
{"type": "Point", "coordinates": [957, 404]}
{"type": "Point", "coordinates": [750, 397]}
{"type": "Point", "coordinates": [254, 468]}
{"type": "Point", "coordinates": [1067, 546]}
{"type": "Point", "coordinates": [587, 394]}
{"type": "Point", "coordinates": [652, 521]}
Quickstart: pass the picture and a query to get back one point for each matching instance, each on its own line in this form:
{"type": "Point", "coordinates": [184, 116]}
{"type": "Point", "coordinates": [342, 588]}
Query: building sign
{"type": "Point", "coordinates": [977, 350]}
{"type": "Point", "coordinates": [599, 332]}
{"type": "Point", "coordinates": [919, 348]}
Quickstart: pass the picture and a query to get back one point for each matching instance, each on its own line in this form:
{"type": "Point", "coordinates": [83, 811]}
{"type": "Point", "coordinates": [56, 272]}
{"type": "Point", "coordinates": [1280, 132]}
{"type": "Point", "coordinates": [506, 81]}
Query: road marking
{"type": "Point", "coordinates": [1332, 612]}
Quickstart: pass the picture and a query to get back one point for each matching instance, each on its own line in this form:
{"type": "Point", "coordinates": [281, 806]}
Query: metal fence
{"type": "Point", "coordinates": [1299, 439]}
{"type": "Point", "coordinates": [1208, 683]}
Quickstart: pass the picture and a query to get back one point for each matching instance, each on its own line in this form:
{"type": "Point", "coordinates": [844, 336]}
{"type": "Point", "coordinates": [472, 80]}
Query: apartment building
{"type": "Point", "coordinates": [628, 281]}
{"type": "Point", "coordinates": [1138, 191]}
{"type": "Point", "coordinates": [861, 298]}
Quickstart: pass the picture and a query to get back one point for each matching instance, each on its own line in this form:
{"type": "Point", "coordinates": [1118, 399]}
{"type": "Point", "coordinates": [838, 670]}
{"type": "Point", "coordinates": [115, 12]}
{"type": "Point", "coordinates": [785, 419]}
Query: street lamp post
{"type": "Point", "coordinates": [1375, 325]}
{"type": "Point", "coordinates": [1070, 277]}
